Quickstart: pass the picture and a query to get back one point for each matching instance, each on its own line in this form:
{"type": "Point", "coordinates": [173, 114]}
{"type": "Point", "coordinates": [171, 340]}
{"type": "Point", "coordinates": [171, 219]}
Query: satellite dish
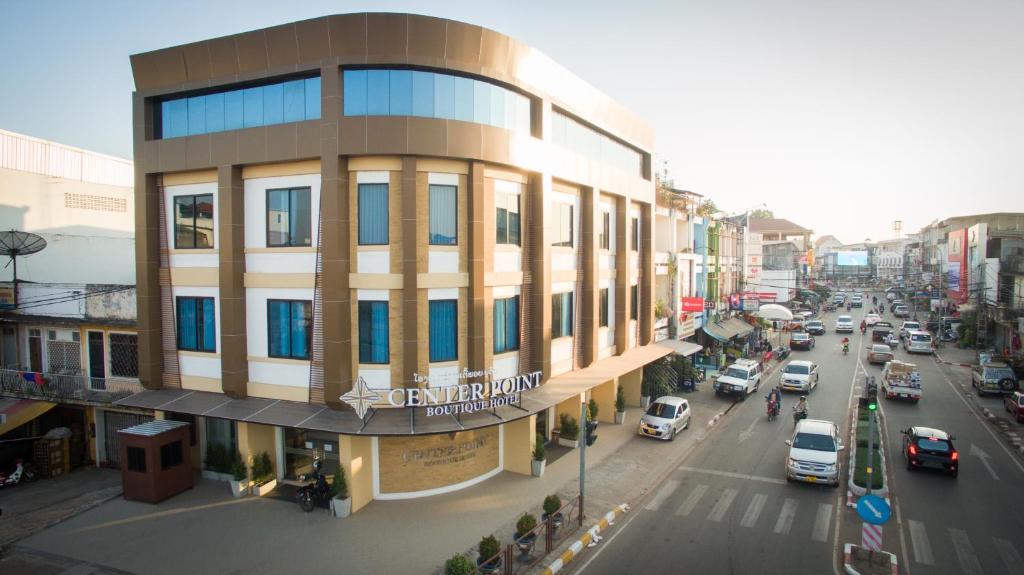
{"type": "Point", "coordinates": [13, 244]}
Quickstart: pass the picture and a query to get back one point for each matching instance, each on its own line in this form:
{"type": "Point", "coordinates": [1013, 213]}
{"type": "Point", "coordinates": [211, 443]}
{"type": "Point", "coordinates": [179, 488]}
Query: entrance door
{"type": "Point", "coordinates": [35, 350]}
{"type": "Point", "coordinates": [542, 424]}
{"type": "Point", "coordinates": [301, 446]}
{"type": "Point", "coordinates": [112, 422]}
{"type": "Point", "coordinates": [97, 363]}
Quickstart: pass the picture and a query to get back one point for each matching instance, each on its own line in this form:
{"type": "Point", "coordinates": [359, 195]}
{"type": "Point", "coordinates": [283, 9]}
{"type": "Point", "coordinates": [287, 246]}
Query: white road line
{"type": "Point", "coordinates": [919, 541]}
{"type": "Point", "coordinates": [785, 522]}
{"type": "Point", "coordinates": [820, 532]}
{"type": "Point", "coordinates": [1014, 564]}
{"type": "Point", "coordinates": [722, 505]}
{"type": "Point", "coordinates": [753, 510]}
{"type": "Point", "coordinates": [666, 490]}
{"type": "Point", "coordinates": [692, 500]}
{"type": "Point", "coordinates": [733, 475]}
{"type": "Point", "coordinates": [965, 553]}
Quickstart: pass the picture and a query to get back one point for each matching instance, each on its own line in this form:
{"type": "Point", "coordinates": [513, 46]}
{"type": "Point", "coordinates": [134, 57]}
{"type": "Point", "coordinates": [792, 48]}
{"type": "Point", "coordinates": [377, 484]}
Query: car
{"type": "Point", "coordinates": [844, 324]}
{"type": "Point", "coordinates": [890, 296]}
{"type": "Point", "coordinates": [918, 341]}
{"type": "Point", "coordinates": [909, 326]}
{"type": "Point", "coordinates": [927, 447]}
{"type": "Point", "coordinates": [815, 327]}
{"type": "Point", "coordinates": [805, 315]}
{"type": "Point", "coordinates": [797, 323]}
{"type": "Point", "coordinates": [814, 452]}
{"type": "Point", "coordinates": [994, 378]}
{"type": "Point", "coordinates": [895, 303]}
{"type": "Point", "coordinates": [741, 378]}
{"type": "Point", "coordinates": [799, 375]}
{"type": "Point", "coordinates": [901, 311]}
{"type": "Point", "coordinates": [880, 330]}
{"type": "Point", "coordinates": [801, 340]}
{"type": "Point", "coordinates": [857, 301]}
{"type": "Point", "coordinates": [880, 353]}
{"type": "Point", "coordinates": [665, 418]}
{"type": "Point", "coordinates": [872, 318]}
{"type": "Point", "coordinates": [1014, 403]}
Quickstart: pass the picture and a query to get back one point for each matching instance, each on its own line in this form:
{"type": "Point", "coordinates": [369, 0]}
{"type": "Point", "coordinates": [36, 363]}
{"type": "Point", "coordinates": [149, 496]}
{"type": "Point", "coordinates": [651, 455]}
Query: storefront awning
{"type": "Point", "coordinates": [17, 412]}
{"type": "Point", "coordinates": [683, 348]}
{"type": "Point", "coordinates": [728, 329]}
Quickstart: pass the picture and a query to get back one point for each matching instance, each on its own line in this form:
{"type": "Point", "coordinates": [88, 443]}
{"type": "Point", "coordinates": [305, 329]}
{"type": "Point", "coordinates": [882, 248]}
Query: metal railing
{"type": "Point", "coordinates": [65, 386]}
{"type": "Point", "coordinates": [524, 553]}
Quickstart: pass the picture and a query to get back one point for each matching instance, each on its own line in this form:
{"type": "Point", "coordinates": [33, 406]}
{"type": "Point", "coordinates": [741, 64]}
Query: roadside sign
{"type": "Point", "coordinates": [709, 304]}
{"type": "Point", "coordinates": [871, 537]}
{"type": "Point", "coordinates": [873, 509]}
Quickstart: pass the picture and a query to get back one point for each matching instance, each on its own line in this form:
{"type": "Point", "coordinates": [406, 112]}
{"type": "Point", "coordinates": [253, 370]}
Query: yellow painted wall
{"type": "Point", "coordinates": [520, 437]}
{"type": "Point", "coordinates": [604, 395]}
{"type": "Point", "coordinates": [572, 407]}
{"type": "Point", "coordinates": [254, 438]}
{"type": "Point", "coordinates": [356, 454]}
{"type": "Point", "coordinates": [630, 383]}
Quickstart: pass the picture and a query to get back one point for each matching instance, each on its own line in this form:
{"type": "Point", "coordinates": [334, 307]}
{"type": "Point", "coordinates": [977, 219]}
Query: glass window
{"type": "Point", "coordinates": [289, 222]}
{"type": "Point", "coordinates": [378, 98]}
{"type": "Point", "coordinates": [234, 110]}
{"type": "Point", "coordinates": [498, 108]}
{"type": "Point", "coordinates": [506, 324]}
{"type": "Point", "coordinates": [635, 235]}
{"type": "Point", "coordinates": [373, 214]}
{"type": "Point", "coordinates": [373, 332]}
{"type": "Point", "coordinates": [443, 215]}
{"type": "Point", "coordinates": [423, 94]}
{"type": "Point", "coordinates": [444, 330]}
{"type": "Point", "coordinates": [506, 207]}
{"type": "Point", "coordinates": [273, 104]}
{"type": "Point", "coordinates": [401, 92]}
{"type": "Point", "coordinates": [253, 102]}
{"type": "Point", "coordinates": [193, 221]}
{"type": "Point", "coordinates": [634, 301]}
{"type": "Point", "coordinates": [170, 455]}
{"type": "Point", "coordinates": [196, 324]}
{"type": "Point", "coordinates": [136, 459]}
{"type": "Point", "coordinates": [561, 315]}
{"type": "Point", "coordinates": [124, 355]}
{"type": "Point", "coordinates": [444, 96]}
{"type": "Point", "coordinates": [563, 226]}
{"type": "Point", "coordinates": [482, 102]}
{"type": "Point", "coordinates": [603, 298]}
{"type": "Point", "coordinates": [294, 94]}
{"type": "Point", "coordinates": [571, 134]}
{"type": "Point", "coordinates": [604, 237]}
{"type": "Point", "coordinates": [463, 99]}
{"type": "Point", "coordinates": [312, 98]}
{"type": "Point", "coordinates": [178, 112]}
{"type": "Point", "coordinates": [355, 92]}
{"type": "Point", "coordinates": [197, 115]}
{"type": "Point", "coordinates": [288, 328]}
{"type": "Point", "coordinates": [215, 113]}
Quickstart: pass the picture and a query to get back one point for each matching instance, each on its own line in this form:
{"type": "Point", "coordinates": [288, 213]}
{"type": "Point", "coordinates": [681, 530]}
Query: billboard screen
{"type": "Point", "coordinates": [859, 258]}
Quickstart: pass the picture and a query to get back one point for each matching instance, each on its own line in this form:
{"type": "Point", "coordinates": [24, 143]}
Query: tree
{"type": "Point", "coordinates": [762, 213]}
{"type": "Point", "coordinates": [706, 208]}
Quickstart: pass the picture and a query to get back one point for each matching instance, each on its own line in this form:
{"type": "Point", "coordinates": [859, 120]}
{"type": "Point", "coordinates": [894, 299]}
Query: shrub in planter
{"type": "Point", "coordinates": [217, 459]}
{"type": "Point", "coordinates": [569, 431]}
{"type": "Point", "coordinates": [592, 409]}
{"type": "Point", "coordinates": [620, 405]}
{"type": "Point", "coordinates": [458, 565]}
{"type": "Point", "coordinates": [263, 479]}
{"type": "Point", "coordinates": [488, 548]}
{"type": "Point", "coordinates": [525, 536]}
{"type": "Point", "coordinates": [860, 474]}
{"type": "Point", "coordinates": [539, 456]}
{"type": "Point", "coordinates": [551, 506]}
{"type": "Point", "coordinates": [240, 476]}
{"type": "Point", "coordinates": [341, 503]}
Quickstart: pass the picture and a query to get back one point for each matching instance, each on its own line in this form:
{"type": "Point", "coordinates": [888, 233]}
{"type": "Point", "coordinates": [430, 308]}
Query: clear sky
{"type": "Point", "coordinates": [841, 115]}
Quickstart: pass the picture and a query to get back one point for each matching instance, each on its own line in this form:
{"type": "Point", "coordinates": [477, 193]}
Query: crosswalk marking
{"type": "Point", "coordinates": [919, 541]}
{"type": "Point", "coordinates": [753, 510]}
{"type": "Point", "coordinates": [666, 490]}
{"type": "Point", "coordinates": [785, 521]}
{"type": "Point", "coordinates": [722, 506]}
{"type": "Point", "coordinates": [821, 522]}
{"type": "Point", "coordinates": [964, 552]}
{"type": "Point", "coordinates": [1014, 564]}
{"type": "Point", "coordinates": [692, 500]}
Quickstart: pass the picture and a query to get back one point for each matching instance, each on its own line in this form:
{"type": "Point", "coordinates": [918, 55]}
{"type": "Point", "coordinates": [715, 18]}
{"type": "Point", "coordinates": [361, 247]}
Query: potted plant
{"type": "Point", "coordinates": [525, 535]}
{"type": "Point", "coordinates": [217, 463]}
{"type": "Point", "coordinates": [645, 392]}
{"type": "Point", "coordinates": [263, 481]}
{"type": "Point", "coordinates": [341, 501]}
{"type": "Point", "coordinates": [569, 432]}
{"type": "Point", "coordinates": [458, 565]}
{"type": "Point", "coordinates": [489, 561]}
{"type": "Point", "coordinates": [239, 477]}
{"type": "Point", "coordinates": [552, 504]}
{"type": "Point", "coordinates": [620, 405]}
{"type": "Point", "coordinates": [539, 457]}
{"type": "Point", "coordinates": [592, 410]}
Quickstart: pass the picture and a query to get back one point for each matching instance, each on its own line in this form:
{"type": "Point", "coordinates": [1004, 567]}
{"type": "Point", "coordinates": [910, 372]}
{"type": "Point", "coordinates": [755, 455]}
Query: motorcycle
{"type": "Point", "coordinates": [798, 415]}
{"type": "Point", "coordinates": [318, 490]}
{"type": "Point", "coordinates": [21, 473]}
{"type": "Point", "coordinates": [780, 353]}
{"type": "Point", "coordinates": [773, 407]}
{"type": "Point", "coordinates": [846, 348]}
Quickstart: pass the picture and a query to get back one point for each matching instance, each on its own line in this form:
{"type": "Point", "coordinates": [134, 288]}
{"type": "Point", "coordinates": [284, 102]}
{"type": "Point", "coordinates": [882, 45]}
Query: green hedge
{"type": "Point", "coordinates": [860, 475]}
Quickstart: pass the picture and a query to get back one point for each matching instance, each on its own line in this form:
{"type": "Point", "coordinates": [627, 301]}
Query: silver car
{"type": "Point", "coordinates": [814, 452]}
{"type": "Point", "coordinates": [665, 417]}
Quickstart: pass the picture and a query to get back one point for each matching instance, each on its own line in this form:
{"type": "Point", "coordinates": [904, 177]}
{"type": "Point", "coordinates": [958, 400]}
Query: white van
{"type": "Point", "coordinates": [918, 342]}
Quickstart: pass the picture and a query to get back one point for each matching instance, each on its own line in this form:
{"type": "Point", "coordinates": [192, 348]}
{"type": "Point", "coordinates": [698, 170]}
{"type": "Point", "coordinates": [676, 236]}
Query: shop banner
{"type": "Point", "coordinates": [690, 304]}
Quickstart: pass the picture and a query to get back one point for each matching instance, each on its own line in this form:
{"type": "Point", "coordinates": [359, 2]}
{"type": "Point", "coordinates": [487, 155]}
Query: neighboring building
{"type": "Point", "coordinates": [405, 210]}
{"type": "Point", "coordinates": [776, 230]}
{"type": "Point", "coordinates": [69, 347]}
{"type": "Point", "coordinates": [823, 247]}
{"type": "Point", "coordinates": [675, 264]}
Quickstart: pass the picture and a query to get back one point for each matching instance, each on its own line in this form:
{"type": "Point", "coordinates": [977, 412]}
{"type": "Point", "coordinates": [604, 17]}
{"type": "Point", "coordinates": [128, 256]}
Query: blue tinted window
{"type": "Point", "coordinates": [444, 330]}
{"type": "Point", "coordinates": [234, 110]}
{"type": "Point", "coordinates": [497, 107]}
{"type": "Point", "coordinates": [355, 92]}
{"type": "Point", "coordinates": [178, 111]}
{"type": "Point", "coordinates": [294, 101]}
{"type": "Point", "coordinates": [377, 97]}
{"type": "Point", "coordinates": [423, 94]}
{"type": "Point", "coordinates": [197, 115]}
{"type": "Point", "coordinates": [444, 96]}
{"type": "Point", "coordinates": [463, 99]}
{"type": "Point", "coordinates": [401, 92]}
{"type": "Point", "coordinates": [273, 104]}
{"type": "Point", "coordinates": [313, 98]}
{"type": "Point", "coordinates": [253, 98]}
{"type": "Point", "coordinates": [482, 102]}
{"type": "Point", "coordinates": [215, 113]}
{"type": "Point", "coordinates": [373, 332]}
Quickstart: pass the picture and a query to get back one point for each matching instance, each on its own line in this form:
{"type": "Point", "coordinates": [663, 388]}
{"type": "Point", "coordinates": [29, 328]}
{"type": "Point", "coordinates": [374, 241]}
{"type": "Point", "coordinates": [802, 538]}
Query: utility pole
{"type": "Point", "coordinates": [583, 455]}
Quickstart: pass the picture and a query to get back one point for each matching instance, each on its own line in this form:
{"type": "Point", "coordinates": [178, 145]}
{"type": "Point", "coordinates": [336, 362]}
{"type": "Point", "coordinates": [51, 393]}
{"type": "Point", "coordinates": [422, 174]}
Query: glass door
{"type": "Point", "coordinates": [301, 446]}
{"type": "Point", "coordinates": [97, 363]}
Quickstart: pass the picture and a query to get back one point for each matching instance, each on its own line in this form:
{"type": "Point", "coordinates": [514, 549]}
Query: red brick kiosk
{"type": "Point", "coordinates": [154, 460]}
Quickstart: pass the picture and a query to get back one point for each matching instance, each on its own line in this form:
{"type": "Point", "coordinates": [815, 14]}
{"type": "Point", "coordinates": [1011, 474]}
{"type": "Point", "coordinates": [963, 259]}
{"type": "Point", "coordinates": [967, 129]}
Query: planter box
{"type": "Point", "coordinates": [619, 416]}
{"type": "Point", "coordinates": [858, 561]}
{"type": "Point", "coordinates": [239, 488]}
{"type": "Point", "coordinates": [261, 490]}
{"type": "Point", "coordinates": [858, 490]}
{"type": "Point", "coordinates": [572, 443]}
{"type": "Point", "coordinates": [214, 476]}
{"type": "Point", "coordinates": [341, 507]}
{"type": "Point", "coordinates": [537, 467]}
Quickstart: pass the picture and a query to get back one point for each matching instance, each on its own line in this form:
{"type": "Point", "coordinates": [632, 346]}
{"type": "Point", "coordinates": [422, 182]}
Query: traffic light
{"type": "Point", "coordinates": [872, 405]}
{"type": "Point", "coordinates": [591, 432]}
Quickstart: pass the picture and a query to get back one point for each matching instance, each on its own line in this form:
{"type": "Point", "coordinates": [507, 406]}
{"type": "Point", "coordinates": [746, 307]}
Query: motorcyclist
{"type": "Point", "coordinates": [800, 409]}
{"type": "Point", "coordinates": [891, 340]}
{"type": "Point", "coordinates": [863, 326]}
{"type": "Point", "coordinates": [775, 395]}
{"type": "Point", "coordinates": [846, 345]}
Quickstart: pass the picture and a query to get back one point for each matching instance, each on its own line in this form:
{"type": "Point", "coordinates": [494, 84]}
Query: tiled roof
{"type": "Point", "coordinates": [762, 225]}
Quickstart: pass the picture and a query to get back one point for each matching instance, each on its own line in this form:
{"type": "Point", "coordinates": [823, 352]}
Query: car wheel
{"type": "Point", "coordinates": [672, 437]}
{"type": "Point", "coordinates": [980, 393]}
{"type": "Point", "coordinates": [953, 474]}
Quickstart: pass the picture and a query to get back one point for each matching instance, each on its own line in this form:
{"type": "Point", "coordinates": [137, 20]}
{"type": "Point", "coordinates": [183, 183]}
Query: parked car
{"type": "Point", "coordinates": [872, 318]}
{"type": "Point", "coordinates": [665, 418]}
{"type": "Point", "coordinates": [801, 340]}
{"type": "Point", "coordinates": [799, 375]}
{"type": "Point", "coordinates": [896, 303]}
{"type": "Point", "coordinates": [844, 324]}
{"type": "Point", "coordinates": [815, 327]}
{"type": "Point", "coordinates": [901, 311]}
{"type": "Point", "coordinates": [908, 326]}
{"type": "Point", "coordinates": [918, 341]}
{"type": "Point", "coordinates": [814, 452]}
{"type": "Point", "coordinates": [927, 447]}
{"type": "Point", "coordinates": [993, 378]}
{"type": "Point", "coordinates": [880, 353]}
{"type": "Point", "coordinates": [741, 378]}
{"type": "Point", "coordinates": [1014, 403]}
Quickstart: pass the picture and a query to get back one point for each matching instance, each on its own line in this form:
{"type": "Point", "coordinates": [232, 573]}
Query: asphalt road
{"type": "Point", "coordinates": [727, 508]}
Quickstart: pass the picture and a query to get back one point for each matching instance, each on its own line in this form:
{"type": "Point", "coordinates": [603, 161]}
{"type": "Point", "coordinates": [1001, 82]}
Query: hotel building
{"type": "Point", "coordinates": [338, 219]}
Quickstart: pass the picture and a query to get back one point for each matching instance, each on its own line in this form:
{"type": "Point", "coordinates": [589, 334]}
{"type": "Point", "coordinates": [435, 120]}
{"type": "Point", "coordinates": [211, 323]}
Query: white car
{"type": "Point", "coordinates": [908, 326]}
{"type": "Point", "coordinates": [799, 375]}
{"type": "Point", "coordinates": [890, 296]}
{"type": "Point", "coordinates": [844, 324]}
{"type": "Point", "coordinates": [814, 452]}
{"type": "Point", "coordinates": [741, 378]}
{"type": "Point", "coordinates": [918, 342]}
{"type": "Point", "coordinates": [871, 319]}
{"type": "Point", "coordinates": [665, 417]}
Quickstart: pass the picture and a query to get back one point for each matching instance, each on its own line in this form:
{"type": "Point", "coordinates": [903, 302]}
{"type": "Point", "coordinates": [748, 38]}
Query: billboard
{"type": "Point", "coordinates": [852, 258]}
{"type": "Point", "coordinates": [957, 266]}
{"type": "Point", "coordinates": [692, 304]}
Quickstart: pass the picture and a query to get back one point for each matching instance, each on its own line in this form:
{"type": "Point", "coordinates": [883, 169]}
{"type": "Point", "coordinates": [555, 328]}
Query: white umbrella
{"type": "Point", "coordinates": [774, 311]}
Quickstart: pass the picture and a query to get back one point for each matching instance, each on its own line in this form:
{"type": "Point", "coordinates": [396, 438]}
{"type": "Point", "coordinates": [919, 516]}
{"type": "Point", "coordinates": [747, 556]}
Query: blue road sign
{"type": "Point", "coordinates": [873, 509]}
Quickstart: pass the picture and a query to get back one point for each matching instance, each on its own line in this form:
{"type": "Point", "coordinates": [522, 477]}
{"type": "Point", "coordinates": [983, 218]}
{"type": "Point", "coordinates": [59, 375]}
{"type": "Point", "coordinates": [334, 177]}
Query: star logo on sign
{"type": "Point", "coordinates": [361, 398]}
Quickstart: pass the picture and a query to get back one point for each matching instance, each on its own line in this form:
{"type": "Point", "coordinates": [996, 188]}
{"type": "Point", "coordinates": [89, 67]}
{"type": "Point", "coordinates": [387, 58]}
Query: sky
{"type": "Point", "coordinates": [840, 115]}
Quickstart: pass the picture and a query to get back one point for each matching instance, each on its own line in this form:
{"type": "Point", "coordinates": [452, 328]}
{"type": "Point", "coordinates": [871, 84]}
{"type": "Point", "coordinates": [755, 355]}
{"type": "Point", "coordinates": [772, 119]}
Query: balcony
{"type": "Point", "coordinates": [75, 388]}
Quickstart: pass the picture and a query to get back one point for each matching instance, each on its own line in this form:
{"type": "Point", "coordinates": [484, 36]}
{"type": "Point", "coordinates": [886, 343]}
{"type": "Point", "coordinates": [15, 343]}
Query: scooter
{"type": "Point", "coordinates": [846, 348]}
{"type": "Point", "coordinates": [307, 495]}
{"type": "Point", "coordinates": [21, 473]}
{"type": "Point", "coordinates": [780, 353]}
{"type": "Point", "coordinates": [773, 408]}
{"type": "Point", "coordinates": [798, 415]}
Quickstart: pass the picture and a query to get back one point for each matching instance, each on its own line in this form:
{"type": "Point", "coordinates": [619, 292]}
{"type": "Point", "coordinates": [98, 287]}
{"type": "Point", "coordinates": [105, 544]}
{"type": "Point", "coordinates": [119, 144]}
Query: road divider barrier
{"type": "Point", "coordinates": [589, 539]}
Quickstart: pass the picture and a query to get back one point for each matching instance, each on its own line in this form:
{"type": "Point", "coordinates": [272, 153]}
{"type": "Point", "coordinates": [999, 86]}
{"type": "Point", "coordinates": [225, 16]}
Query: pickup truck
{"type": "Point", "coordinates": [880, 330]}
{"type": "Point", "coordinates": [901, 380]}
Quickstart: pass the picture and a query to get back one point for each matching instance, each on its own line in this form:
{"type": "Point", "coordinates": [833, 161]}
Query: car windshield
{"type": "Point", "coordinates": [662, 410]}
{"type": "Point", "coordinates": [800, 336]}
{"type": "Point", "coordinates": [736, 372]}
{"type": "Point", "coordinates": [932, 444]}
{"type": "Point", "coordinates": [998, 373]}
{"type": "Point", "coordinates": [845, 319]}
{"type": "Point", "coordinates": [880, 348]}
{"type": "Point", "coordinates": [911, 325]}
{"type": "Point", "coordinates": [920, 337]}
{"type": "Point", "coordinates": [797, 369]}
{"type": "Point", "coordinates": [814, 442]}
{"type": "Point", "coordinates": [814, 323]}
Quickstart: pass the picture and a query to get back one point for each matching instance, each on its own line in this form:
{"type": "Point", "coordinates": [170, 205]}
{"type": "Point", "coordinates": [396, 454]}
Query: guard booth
{"type": "Point", "coordinates": [154, 465]}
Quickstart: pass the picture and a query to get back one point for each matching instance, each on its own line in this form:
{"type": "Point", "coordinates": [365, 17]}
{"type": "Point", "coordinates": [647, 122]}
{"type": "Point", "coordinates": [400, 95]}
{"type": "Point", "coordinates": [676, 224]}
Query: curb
{"type": "Point", "coordinates": [848, 551]}
{"type": "Point", "coordinates": [589, 539]}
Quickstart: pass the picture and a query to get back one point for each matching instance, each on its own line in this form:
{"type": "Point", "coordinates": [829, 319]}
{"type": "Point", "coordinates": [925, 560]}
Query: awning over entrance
{"type": "Point", "coordinates": [728, 329]}
{"type": "Point", "coordinates": [17, 412]}
{"type": "Point", "coordinates": [683, 348]}
{"type": "Point", "coordinates": [391, 421]}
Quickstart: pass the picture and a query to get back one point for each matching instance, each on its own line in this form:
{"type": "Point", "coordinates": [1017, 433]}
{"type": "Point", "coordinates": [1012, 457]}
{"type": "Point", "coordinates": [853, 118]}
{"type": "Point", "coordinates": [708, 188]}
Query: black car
{"type": "Point", "coordinates": [801, 340]}
{"type": "Point", "coordinates": [815, 327]}
{"type": "Point", "coordinates": [926, 447]}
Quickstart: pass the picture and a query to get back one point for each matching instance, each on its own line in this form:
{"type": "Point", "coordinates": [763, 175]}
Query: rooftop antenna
{"type": "Point", "coordinates": [13, 244]}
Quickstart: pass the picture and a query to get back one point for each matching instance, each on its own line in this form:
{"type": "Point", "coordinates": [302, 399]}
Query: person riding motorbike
{"type": "Point", "coordinates": [846, 345]}
{"type": "Point", "coordinates": [800, 410]}
{"type": "Point", "coordinates": [775, 395]}
{"type": "Point", "coordinates": [863, 326]}
{"type": "Point", "coordinates": [849, 306]}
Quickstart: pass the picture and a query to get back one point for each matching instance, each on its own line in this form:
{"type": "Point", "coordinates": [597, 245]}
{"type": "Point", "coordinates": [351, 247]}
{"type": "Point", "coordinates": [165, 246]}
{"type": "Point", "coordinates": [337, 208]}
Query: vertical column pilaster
{"type": "Point", "coordinates": [589, 212]}
{"type": "Point", "coordinates": [539, 258]}
{"type": "Point", "coordinates": [622, 274]}
{"type": "Point", "coordinates": [234, 365]}
{"type": "Point", "coordinates": [411, 247]}
{"type": "Point", "coordinates": [646, 263]}
{"type": "Point", "coordinates": [481, 252]}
